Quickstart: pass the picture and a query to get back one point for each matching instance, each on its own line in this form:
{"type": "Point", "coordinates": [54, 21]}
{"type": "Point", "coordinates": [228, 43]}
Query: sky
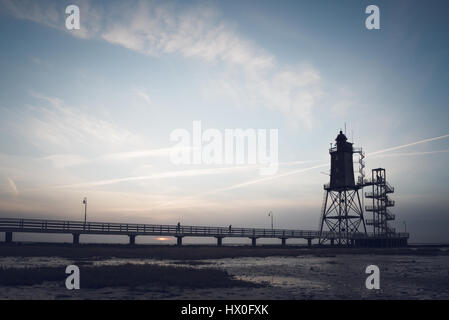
{"type": "Point", "coordinates": [89, 112]}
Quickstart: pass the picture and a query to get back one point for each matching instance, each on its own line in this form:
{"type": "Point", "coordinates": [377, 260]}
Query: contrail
{"type": "Point", "coordinates": [244, 184]}
{"type": "Point", "coordinates": [408, 145]}
{"type": "Point", "coordinates": [198, 172]}
{"type": "Point", "coordinates": [240, 185]}
{"type": "Point", "coordinates": [326, 164]}
{"type": "Point", "coordinates": [413, 153]}
{"type": "Point", "coordinates": [174, 174]}
{"type": "Point", "coordinates": [168, 174]}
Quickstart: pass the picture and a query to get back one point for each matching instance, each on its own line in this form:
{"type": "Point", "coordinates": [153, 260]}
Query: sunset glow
{"type": "Point", "coordinates": [163, 239]}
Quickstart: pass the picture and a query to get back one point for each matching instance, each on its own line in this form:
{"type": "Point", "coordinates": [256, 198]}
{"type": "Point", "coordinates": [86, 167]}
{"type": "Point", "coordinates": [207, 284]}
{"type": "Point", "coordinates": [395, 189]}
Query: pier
{"type": "Point", "coordinates": [77, 228]}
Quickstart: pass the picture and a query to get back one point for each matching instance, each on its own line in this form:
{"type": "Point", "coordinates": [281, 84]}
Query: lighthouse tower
{"type": "Point", "coordinates": [342, 212]}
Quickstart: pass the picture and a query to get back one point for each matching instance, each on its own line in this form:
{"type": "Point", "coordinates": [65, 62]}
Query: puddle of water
{"type": "Point", "coordinates": [33, 262]}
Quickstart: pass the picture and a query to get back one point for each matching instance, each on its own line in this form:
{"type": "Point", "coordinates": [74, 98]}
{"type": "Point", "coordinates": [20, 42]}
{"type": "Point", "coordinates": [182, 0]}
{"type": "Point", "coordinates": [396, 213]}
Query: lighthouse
{"type": "Point", "coordinates": [342, 212]}
{"type": "Point", "coordinates": [342, 169]}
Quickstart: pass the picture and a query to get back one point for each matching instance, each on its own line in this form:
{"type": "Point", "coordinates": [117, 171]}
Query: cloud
{"type": "Point", "coordinates": [293, 91]}
{"type": "Point", "coordinates": [140, 92]}
{"type": "Point", "coordinates": [151, 28]}
{"type": "Point", "coordinates": [13, 186]}
{"type": "Point", "coordinates": [70, 160]}
{"type": "Point", "coordinates": [44, 12]}
{"type": "Point", "coordinates": [249, 75]}
{"type": "Point", "coordinates": [194, 32]}
{"type": "Point", "coordinates": [65, 160]}
{"type": "Point", "coordinates": [161, 152]}
{"type": "Point", "coordinates": [344, 100]}
{"type": "Point", "coordinates": [55, 125]}
{"type": "Point", "coordinates": [52, 14]}
{"type": "Point", "coordinates": [253, 78]}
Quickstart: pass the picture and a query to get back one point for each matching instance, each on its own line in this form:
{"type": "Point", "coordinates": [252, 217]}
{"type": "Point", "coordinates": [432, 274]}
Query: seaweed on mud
{"type": "Point", "coordinates": [127, 275]}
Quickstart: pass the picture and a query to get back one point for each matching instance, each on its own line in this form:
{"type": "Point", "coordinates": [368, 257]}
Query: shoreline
{"type": "Point", "coordinates": [197, 252]}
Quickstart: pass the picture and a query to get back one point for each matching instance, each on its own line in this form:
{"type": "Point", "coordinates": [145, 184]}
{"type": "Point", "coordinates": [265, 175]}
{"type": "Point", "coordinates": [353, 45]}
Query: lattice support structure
{"type": "Point", "coordinates": [343, 215]}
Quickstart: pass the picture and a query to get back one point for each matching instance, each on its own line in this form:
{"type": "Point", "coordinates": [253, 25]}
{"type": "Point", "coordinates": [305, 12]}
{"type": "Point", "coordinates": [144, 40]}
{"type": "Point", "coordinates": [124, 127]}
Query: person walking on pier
{"type": "Point", "coordinates": [178, 227]}
{"type": "Point", "coordinates": [230, 228]}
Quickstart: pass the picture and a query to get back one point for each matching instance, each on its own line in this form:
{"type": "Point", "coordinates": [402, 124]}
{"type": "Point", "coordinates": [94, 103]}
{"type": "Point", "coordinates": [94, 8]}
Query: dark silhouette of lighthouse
{"type": "Point", "coordinates": [342, 212]}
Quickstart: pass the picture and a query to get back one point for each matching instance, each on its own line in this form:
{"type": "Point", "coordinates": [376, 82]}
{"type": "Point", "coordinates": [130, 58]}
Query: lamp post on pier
{"type": "Point", "coordinates": [85, 210]}
{"type": "Point", "coordinates": [270, 214]}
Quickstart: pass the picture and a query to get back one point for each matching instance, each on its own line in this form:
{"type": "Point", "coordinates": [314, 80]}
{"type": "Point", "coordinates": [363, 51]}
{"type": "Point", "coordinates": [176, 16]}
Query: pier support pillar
{"type": "Point", "coordinates": [132, 239]}
{"type": "Point", "coordinates": [332, 242]}
{"type": "Point", "coordinates": [76, 238]}
{"type": "Point", "coordinates": [179, 242]}
{"type": "Point", "coordinates": [8, 237]}
{"type": "Point", "coordinates": [309, 242]}
{"type": "Point", "coordinates": [219, 241]}
{"type": "Point", "coordinates": [253, 241]}
{"type": "Point", "coordinates": [284, 242]}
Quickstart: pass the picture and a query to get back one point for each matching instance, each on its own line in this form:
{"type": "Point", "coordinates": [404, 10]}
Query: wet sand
{"type": "Point", "coordinates": [191, 252]}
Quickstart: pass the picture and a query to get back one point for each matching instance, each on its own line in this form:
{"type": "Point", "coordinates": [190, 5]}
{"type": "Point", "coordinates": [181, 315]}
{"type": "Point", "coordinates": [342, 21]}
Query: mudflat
{"type": "Point", "coordinates": [36, 271]}
{"type": "Point", "coordinates": [194, 252]}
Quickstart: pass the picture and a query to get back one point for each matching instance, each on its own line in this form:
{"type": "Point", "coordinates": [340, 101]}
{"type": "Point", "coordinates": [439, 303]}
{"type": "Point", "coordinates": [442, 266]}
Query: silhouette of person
{"type": "Point", "coordinates": [230, 227]}
{"type": "Point", "coordinates": [178, 227]}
